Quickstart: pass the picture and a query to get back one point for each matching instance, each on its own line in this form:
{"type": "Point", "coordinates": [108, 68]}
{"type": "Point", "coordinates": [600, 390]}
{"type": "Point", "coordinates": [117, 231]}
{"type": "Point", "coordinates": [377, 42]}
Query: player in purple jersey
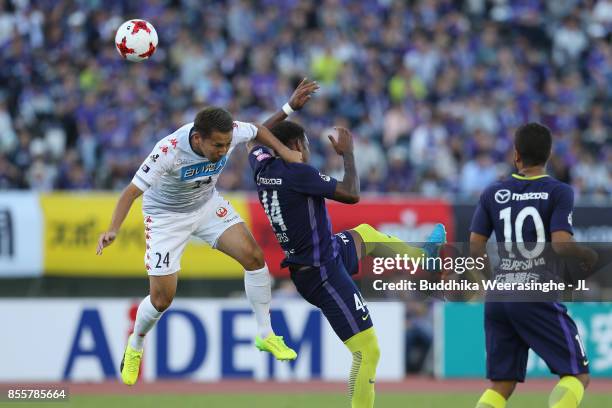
{"type": "Point", "coordinates": [530, 207]}
{"type": "Point", "coordinates": [293, 196]}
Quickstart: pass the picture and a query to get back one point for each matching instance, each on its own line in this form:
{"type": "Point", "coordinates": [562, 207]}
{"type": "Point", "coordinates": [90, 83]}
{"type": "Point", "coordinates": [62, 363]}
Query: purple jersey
{"type": "Point", "coordinates": [293, 197]}
{"type": "Point", "coordinates": [524, 212]}
{"type": "Point", "coordinates": [527, 210]}
{"type": "Point", "coordinates": [524, 209]}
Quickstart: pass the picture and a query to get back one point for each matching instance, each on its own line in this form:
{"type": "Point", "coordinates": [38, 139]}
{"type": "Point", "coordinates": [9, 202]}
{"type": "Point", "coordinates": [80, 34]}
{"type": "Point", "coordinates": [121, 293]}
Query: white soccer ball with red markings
{"type": "Point", "coordinates": [136, 40]}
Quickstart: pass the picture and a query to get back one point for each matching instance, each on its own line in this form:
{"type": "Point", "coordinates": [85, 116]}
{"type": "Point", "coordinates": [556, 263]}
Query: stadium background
{"type": "Point", "coordinates": [432, 91]}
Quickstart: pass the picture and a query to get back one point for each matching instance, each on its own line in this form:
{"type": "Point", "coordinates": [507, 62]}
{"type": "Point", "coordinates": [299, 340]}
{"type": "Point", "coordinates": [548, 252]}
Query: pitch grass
{"type": "Point", "coordinates": [386, 400]}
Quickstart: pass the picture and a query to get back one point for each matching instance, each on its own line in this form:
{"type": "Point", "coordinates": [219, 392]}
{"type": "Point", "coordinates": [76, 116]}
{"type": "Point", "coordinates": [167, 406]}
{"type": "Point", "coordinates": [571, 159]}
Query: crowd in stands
{"type": "Point", "coordinates": [432, 89]}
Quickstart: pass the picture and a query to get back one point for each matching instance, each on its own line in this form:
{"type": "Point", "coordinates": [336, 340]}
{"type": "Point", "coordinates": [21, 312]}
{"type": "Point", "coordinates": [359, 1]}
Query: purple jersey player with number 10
{"type": "Point", "coordinates": [531, 207]}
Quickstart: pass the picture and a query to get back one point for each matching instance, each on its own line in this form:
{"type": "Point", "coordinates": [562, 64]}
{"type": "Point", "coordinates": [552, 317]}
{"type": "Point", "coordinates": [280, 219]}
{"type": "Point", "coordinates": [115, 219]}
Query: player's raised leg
{"type": "Point", "coordinates": [376, 243]}
{"type": "Point", "coordinates": [162, 291]}
{"type": "Point", "coordinates": [237, 242]}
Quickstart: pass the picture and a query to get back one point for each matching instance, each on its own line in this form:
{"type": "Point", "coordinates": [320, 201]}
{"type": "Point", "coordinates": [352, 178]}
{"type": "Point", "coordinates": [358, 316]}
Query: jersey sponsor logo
{"type": "Point", "coordinates": [184, 161]}
{"type": "Point", "coordinates": [529, 196]}
{"type": "Point", "coordinates": [164, 149]}
{"type": "Point", "coordinates": [173, 142]}
{"type": "Point", "coordinates": [270, 181]}
{"type": "Point", "coordinates": [145, 168]}
{"type": "Point", "coordinates": [502, 196]}
{"type": "Point", "coordinates": [221, 212]}
{"type": "Point", "coordinates": [570, 219]}
{"type": "Point", "coordinates": [508, 264]}
{"type": "Point", "coordinates": [203, 169]}
{"type": "Point", "coordinates": [154, 157]}
{"type": "Point", "coordinates": [282, 237]}
{"type": "Point", "coordinates": [261, 155]}
{"type": "Point", "coordinates": [324, 177]}
{"type": "Point", "coordinates": [231, 219]}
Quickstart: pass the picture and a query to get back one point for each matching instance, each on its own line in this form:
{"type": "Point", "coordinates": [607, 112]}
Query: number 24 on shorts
{"type": "Point", "coordinates": [162, 259]}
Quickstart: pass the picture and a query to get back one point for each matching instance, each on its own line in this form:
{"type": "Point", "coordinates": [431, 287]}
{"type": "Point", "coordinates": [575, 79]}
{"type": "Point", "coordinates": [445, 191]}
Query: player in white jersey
{"type": "Point", "coordinates": [180, 200]}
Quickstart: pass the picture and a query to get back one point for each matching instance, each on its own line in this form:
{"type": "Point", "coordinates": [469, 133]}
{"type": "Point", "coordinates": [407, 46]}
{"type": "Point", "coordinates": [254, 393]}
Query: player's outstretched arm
{"type": "Point", "coordinates": [266, 138]}
{"type": "Point", "coordinates": [347, 190]}
{"type": "Point", "coordinates": [299, 98]}
{"type": "Point", "coordinates": [129, 194]}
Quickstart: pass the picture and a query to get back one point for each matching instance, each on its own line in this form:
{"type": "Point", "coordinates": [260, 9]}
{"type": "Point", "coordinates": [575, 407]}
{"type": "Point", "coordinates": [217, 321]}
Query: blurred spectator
{"type": "Point", "coordinates": [423, 59]}
{"type": "Point", "coordinates": [72, 174]}
{"type": "Point", "coordinates": [326, 67]}
{"type": "Point", "coordinates": [569, 42]}
{"type": "Point", "coordinates": [476, 173]}
{"type": "Point", "coordinates": [429, 143]}
{"type": "Point", "coordinates": [591, 177]}
{"type": "Point", "coordinates": [369, 156]}
{"type": "Point", "coordinates": [399, 175]}
{"type": "Point", "coordinates": [397, 125]}
{"type": "Point", "coordinates": [41, 175]}
{"type": "Point", "coordinates": [442, 80]}
{"type": "Point", "coordinates": [419, 335]}
{"type": "Point", "coordinates": [10, 176]}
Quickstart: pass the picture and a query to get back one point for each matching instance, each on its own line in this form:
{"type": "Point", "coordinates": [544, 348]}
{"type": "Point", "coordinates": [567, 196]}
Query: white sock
{"type": "Point", "coordinates": [258, 288]}
{"type": "Point", "coordinates": [146, 317]}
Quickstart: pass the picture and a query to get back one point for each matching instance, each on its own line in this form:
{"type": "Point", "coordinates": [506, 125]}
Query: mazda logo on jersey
{"type": "Point", "coordinates": [502, 196]}
{"type": "Point", "coordinates": [221, 212]}
{"type": "Point", "coordinates": [202, 169]}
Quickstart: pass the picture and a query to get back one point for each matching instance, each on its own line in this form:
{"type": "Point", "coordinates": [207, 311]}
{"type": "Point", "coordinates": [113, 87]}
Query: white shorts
{"type": "Point", "coordinates": [166, 235]}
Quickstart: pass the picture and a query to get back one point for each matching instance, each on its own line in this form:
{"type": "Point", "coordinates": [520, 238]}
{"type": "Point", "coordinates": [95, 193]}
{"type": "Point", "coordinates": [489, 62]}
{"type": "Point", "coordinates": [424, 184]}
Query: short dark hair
{"type": "Point", "coordinates": [287, 132]}
{"type": "Point", "coordinates": [213, 118]}
{"type": "Point", "coordinates": [533, 143]}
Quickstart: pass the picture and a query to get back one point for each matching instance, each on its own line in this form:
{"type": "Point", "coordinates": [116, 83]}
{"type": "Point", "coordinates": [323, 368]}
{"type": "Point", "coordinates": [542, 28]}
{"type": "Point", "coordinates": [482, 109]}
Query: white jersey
{"type": "Point", "coordinates": [176, 179]}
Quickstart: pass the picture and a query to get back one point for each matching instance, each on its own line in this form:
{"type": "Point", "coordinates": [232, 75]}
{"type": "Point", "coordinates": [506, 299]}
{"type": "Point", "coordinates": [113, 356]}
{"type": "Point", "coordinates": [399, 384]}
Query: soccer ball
{"type": "Point", "coordinates": [136, 40]}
